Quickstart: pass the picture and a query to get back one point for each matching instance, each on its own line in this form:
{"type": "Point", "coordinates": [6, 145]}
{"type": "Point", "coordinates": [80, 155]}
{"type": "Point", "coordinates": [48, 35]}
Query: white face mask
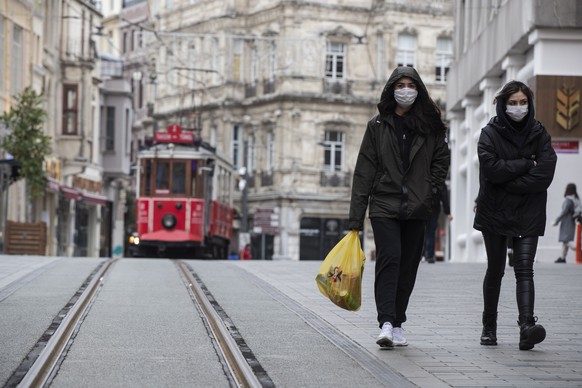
{"type": "Point", "coordinates": [516, 112]}
{"type": "Point", "coordinates": [405, 97]}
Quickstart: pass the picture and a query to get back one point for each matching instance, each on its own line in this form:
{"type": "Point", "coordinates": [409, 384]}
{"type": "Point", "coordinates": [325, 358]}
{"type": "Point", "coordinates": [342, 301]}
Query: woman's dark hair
{"type": "Point", "coordinates": [571, 190]}
{"type": "Point", "coordinates": [513, 87]}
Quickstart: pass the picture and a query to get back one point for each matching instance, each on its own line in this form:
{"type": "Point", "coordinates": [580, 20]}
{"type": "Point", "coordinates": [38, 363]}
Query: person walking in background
{"type": "Point", "coordinates": [516, 167]}
{"type": "Point", "coordinates": [245, 253]}
{"type": "Point", "coordinates": [567, 221]}
{"type": "Point", "coordinates": [402, 164]}
{"type": "Point", "coordinates": [431, 225]}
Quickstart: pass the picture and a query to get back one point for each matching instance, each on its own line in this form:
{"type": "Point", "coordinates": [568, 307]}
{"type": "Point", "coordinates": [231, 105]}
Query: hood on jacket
{"type": "Point", "coordinates": [387, 101]}
{"type": "Point", "coordinates": [424, 115]}
{"type": "Point", "coordinates": [529, 119]}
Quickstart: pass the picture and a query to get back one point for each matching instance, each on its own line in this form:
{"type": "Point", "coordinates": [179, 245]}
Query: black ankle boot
{"type": "Point", "coordinates": [530, 333]}
{"type": "Point", "coordinates": [489, 334]}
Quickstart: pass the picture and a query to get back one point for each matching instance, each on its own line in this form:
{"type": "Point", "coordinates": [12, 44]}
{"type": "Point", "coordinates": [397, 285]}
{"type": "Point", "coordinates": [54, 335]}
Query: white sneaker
{"type": "Point", "coordinates": [398, 337]}
{"type": "Point", "coordinates": [386, 337]}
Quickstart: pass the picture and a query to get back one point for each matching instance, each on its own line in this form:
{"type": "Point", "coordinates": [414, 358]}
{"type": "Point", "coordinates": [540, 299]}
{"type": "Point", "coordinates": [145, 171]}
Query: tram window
{"type": "Point", "coordinates": [179, 178]}
{"type": "Point", "coordinates": [147, 178]}
{"type": "Point", "coordinates": [193, 177]}
{"type": "Point", "coordinates": [163, 178]}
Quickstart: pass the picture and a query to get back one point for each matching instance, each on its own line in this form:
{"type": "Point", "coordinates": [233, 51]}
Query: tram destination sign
{"type": "Point", "coordinates": [174, 134]}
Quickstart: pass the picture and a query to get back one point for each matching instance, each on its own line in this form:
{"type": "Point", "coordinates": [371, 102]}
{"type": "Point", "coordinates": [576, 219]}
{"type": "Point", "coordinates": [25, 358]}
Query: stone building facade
{"type": "Point", "coordinates": [52, 45]}
{"type": "Point", "coordinates": [286, 89]}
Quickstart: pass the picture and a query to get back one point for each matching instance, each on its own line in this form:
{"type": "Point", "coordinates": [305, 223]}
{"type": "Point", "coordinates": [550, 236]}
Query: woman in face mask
{"type": "Point", "coordinates": [402, 163]}
{"type": "Point", "coordinates": [516, 166]}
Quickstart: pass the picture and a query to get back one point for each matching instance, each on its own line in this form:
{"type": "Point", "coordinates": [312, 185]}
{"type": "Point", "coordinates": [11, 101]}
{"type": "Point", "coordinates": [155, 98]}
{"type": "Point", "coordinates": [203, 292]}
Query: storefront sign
{"type": "Point", "coordinates": [557, 104]}
{"type": "Point", "coordinates": [566, 147]}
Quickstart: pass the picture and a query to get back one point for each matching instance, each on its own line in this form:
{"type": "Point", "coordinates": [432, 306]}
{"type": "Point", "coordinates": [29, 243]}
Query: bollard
{"type": "Point", "coordinates": [578, 247]}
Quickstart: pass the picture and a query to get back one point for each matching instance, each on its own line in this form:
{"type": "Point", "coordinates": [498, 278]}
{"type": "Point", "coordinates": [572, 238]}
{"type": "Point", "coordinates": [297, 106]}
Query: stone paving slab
{"type": "Point", "coordinates": [444, 324]}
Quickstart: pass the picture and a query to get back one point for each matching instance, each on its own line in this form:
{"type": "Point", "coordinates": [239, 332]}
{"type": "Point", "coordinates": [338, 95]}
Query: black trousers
{"type": "Point", "coordinates": [399, 247]}
{"type": "Point", "coordinates": [524, 251]}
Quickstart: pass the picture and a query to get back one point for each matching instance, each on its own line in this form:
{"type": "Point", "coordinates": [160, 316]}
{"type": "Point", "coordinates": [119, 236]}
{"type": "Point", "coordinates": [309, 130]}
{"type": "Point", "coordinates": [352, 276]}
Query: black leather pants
{"type": "Point", "coordinates": [524, 251]}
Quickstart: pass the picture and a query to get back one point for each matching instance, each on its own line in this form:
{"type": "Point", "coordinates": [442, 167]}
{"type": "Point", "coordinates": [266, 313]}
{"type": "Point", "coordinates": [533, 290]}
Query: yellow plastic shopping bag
{"type": "Point", "coordinates": [340, 274]}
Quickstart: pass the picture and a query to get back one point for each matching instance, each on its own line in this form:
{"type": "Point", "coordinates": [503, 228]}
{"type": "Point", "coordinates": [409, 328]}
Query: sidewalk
{"type": "Point", "coordinates": [444, 324]}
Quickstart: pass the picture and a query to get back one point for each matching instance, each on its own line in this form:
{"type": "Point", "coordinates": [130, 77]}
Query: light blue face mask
{"type": "Point", "coordinates": [516, 112]}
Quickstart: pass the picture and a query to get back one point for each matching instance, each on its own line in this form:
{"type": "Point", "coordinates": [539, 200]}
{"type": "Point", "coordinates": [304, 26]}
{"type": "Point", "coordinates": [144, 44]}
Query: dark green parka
{"type": "Point", "coordinates": [380, 180]}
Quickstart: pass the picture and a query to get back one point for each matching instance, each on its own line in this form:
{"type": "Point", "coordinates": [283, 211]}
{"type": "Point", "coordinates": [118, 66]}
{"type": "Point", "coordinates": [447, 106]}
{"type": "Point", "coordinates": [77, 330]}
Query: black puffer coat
{"type": "Point", "coordinates": [513, 189]}
{"type": "Point", "coordinates": [379, 175]}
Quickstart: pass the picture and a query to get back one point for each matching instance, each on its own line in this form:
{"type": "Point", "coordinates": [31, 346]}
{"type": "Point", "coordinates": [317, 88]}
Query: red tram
{"type": "Point", "coordinates": [184, 199]}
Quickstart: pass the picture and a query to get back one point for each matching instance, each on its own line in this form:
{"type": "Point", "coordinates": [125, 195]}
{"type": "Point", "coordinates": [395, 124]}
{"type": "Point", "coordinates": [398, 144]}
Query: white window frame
{"type": "Point", "coordinates": [333, 144]}
{"type": "Point", "coordinates": [272, 60]}
{"type": "Point", "coordinates": [406, 50]}
{"type": "Point", "coordinates": [254, 65]}
{"type": "Point", "coordinates": [381, 58]}
{"type": "Point", "coordinates": [17, 64]}
{"type": "Point", "coordinates": [335, 60]}
{"type": "Point", "coordinates": [270, 151]}
{"type": "Point", "coordinates": [250, 154]}
{"type": "Point", "coordinates": [2, 54]}
{"type": "Point", "coordinates": [237, 146]}
{"type": "Point", "coordinates": [444, 57]}
{"type": "Point", "coordinates": [237, 59]}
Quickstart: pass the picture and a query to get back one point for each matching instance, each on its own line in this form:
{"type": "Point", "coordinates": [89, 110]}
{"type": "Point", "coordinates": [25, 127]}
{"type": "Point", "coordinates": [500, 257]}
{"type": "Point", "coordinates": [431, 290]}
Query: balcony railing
{"type": "Point", "coordinates": [339, 87]}
{"type": "Point", "coordinates": [250, 90]}
{"type": "Point", "coordinates": [268, 86]}
{"type": "Point", "coordinates": [335, 179]}
{"type": "Point", "coordinates": [266, 178]}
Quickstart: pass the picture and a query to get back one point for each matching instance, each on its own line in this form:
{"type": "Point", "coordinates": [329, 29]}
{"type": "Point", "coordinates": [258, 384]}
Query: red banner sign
{"type": "Point", "coordinates": [566, 147]}
{"type": "Point", "coordinates": [174, 134]}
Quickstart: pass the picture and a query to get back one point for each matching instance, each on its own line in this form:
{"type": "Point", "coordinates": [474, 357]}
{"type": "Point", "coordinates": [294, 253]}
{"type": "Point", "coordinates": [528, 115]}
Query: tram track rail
{"type": "Point", "coordinates": [241, 362]}
{"type": "Point", "coordinates": [39, 364]}
{"type": "Point", "coordinates": [42, 364]}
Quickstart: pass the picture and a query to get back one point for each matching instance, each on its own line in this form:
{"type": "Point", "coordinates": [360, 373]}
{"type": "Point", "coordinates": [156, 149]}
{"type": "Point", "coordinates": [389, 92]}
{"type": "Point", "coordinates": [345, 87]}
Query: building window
{"type": "Point", "coordinates": [251, 155]}
{"type": "Point", "coordinates": [444, 56]}
{"type": "Point", "coordinates": [213, 135]}
{"type": "Point", "coordinates": [270, 151]}
{"type": "Point", "coordinates": [333, 151]}
{"type": "Point", "coordinates": [254, 66]}
{"type": "Point", "coordinates": [110, 129]}
{"type": "Point", "coordinates": [237, 149]}
{"type": "Point", "coordinates": [380, 54]}
{"type": "Point", "coordinates": [124, 42]}
{"type": "Point", "coordinates": [17, 65]}
{"type": "Point", "coordinates": [237, 55]}
{"type": "Point", "coordinates": [272, 61]}
{"type": "Point", "coordinates": [215, 60]}
{"type": "Point", "coordinates": [2, 37]}
{"type": "Point", "coordinates": [335, 60]}
{"type": "Point", "coordinates": [70, 109]}
{"type": "Point", "coordinates": [406, 51]}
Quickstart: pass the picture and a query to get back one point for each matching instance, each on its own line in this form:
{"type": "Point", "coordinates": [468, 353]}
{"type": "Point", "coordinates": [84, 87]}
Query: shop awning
{"type": "Point", "coordinates": [95, 199]}
{"type": "Point", "coordinates": [70, 193]}
{"type": "Point", "coordinates": [52, 185]}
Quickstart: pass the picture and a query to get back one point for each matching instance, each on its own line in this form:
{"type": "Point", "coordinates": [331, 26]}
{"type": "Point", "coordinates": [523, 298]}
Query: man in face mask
{"type": "Point", "coordinates": [402, 163]}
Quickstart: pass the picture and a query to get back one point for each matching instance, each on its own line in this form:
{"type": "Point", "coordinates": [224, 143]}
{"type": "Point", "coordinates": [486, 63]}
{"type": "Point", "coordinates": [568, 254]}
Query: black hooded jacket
{"type": "Point", "coordinates": [512, 188]}
{"type": "Point", "coordinates": [380, 178]}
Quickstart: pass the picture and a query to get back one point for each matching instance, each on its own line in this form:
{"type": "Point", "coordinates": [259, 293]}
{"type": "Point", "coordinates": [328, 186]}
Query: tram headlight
{"type": "Point", "coordinates": [168, 221]}
{"type": "Point", "coordinates": [134, 239]}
